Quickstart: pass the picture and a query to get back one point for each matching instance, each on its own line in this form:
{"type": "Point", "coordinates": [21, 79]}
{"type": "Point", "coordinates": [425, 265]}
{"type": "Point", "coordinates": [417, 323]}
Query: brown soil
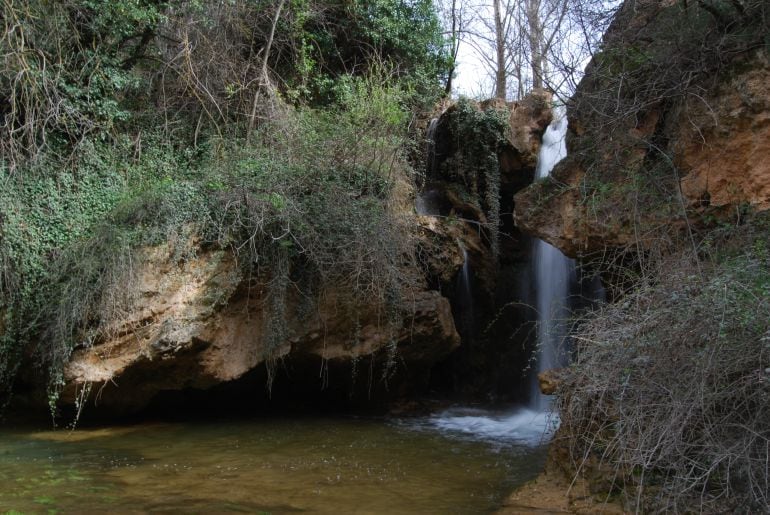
{"type": "Point", "coordinates": [551, 493]}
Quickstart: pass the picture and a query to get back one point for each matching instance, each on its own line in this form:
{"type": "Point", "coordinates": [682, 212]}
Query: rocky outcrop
{"type": "Point", "coordinates": [668, 141]}
{"type": "Point", "coordinates": [199, 323]}
{"type": "Point", "coordinates": [558, 491]}
{"type": "Point", "coordinates": [529, 118]}
{"type": "Point", "coordinates": [478, 156]}
{"type": "Point", "coordinates": [673, 147]}
{"type": "Point", "coordinates": [515, 152]}
{"type": "Point", "coordinates": [722, 141]}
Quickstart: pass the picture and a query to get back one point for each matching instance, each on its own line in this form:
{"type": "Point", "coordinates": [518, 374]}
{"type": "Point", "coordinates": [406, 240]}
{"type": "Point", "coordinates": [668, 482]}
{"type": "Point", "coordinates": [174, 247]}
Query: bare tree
{"type": "Point", "coordinates": [500, 72]}
{"type": "Point", "coordinates": [525, 44]}
{"type": "Point", "coordinates": [543, 21]}
{"type": "Point", "coordinates": [264, 77]}
{"type": "Point", "coordinates": [487, 34]}
{"type": "Point", "coordinates": [455, 24]}
{"type": "Point", "coordinates": [535, 37]}
{"type": "Point", "coordinates": [570, 32]}
{"type": "Point", "coordinates": [457, 17]}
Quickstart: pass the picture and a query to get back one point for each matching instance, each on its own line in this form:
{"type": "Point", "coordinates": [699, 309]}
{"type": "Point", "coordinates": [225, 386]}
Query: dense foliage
{"type": "Point", "coordinates": [90, 67]}
{"type": "Point", "coordinates": [669, 395]}
{"type": "Point", "coordinates": [132, 123]}
{"type": "Point", "coordinates": [666, 405]}
{"type": "Point", "coordinates": [351, 30]}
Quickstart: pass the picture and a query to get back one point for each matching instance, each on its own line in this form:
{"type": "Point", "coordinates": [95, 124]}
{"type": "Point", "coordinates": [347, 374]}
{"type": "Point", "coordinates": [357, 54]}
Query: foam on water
{"type": "Point", "coordinates": [522, 426]}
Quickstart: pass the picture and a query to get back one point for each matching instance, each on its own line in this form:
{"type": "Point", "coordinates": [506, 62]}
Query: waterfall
{"type": "Point", "coordinates": [428, 201]}
{"type": "Point", "coordinates": [553, 272]}
{"type": "Point", "coordinates": [430, 147]}
{"type": "Point", "coordinates": [464, 298]}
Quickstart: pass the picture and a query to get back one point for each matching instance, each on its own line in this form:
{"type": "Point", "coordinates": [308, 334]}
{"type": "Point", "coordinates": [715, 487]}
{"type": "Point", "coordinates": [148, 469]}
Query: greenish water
{"type": "Point", "coordinates": [342, 465]}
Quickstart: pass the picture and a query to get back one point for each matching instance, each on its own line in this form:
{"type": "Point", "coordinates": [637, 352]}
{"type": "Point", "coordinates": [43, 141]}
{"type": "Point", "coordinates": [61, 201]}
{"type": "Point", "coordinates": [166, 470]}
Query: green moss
{"type": "Point", "coordinates": [479, 138]}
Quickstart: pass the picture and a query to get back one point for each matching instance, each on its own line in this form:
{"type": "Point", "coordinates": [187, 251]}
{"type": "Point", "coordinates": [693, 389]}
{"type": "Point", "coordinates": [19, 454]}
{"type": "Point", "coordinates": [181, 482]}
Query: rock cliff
{"type": "Point", "coordinates": [201, 322]}
{"type": "Point", "coordinates": [478, 156]}
{"type": "Point", "coordinates": [665, 191]}
{"type": "Point", "coordinates": [666, 134]}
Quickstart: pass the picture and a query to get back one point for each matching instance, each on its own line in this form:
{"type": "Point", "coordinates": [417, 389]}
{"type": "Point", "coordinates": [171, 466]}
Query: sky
{"type": "Point", "coordinates": [472, 79]}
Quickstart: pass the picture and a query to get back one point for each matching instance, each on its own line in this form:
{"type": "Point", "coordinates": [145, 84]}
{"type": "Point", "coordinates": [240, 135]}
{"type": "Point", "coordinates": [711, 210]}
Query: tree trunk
{"type": "Point", "coordinates": [264, 79]}
{"type": "Point", "coordinates": [455, 48]}
{"type": "Point", "coordinates": [535, 42]}
{"type": "Point", "coordinates": [500, 79]}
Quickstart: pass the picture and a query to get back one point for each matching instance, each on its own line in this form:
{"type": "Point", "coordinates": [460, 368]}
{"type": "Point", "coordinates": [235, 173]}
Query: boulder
{"type": "Point", "coordinates": [549, 381]}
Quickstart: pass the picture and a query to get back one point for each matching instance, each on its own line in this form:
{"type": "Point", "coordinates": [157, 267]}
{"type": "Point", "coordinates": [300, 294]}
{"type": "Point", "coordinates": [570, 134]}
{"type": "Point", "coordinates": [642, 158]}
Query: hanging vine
{"type": "Point", "coordinates": [479, 138]}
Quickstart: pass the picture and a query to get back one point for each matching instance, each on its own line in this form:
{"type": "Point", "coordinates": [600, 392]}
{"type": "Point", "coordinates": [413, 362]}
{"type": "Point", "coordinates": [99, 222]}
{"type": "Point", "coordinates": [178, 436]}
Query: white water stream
{"type": "Point", "coordinates": [553, 272]}
{"type": "Point", "coordinates": [464, 296]}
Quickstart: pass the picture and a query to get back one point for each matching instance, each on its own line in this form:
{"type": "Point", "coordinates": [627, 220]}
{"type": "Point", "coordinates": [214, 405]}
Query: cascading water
{"type": "Point", "coordinates": [553, 272]}
{"type": "Point", "coordinates": [430, 146]}
{"type": "Point", "coordinates": [428, 201]}
{"type": "Point", "coordinates": [464, 297]}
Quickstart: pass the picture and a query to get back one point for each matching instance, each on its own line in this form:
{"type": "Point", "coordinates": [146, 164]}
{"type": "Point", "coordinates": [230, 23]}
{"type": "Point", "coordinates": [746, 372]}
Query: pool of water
{"type": "Point", "coordinates": [316, 465]}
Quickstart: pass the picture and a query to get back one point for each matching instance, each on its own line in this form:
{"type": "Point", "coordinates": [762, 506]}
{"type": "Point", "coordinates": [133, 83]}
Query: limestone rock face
{"type": "Point", "coordinates": [723, 142]}
{"type": "Point", "coordinates": [660, 165]}
{"type": "Point", "coordinates": [199, 324]}
{"type": "Point", "coordinates": [529, 118]}
{"type": "Point", "coordinates": [459, 153]}
{"type": "Point", "coordinates": [478, 156]}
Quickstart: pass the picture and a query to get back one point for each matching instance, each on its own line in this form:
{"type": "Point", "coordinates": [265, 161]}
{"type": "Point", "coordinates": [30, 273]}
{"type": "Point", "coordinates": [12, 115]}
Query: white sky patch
{"type": "Point", "coordinates": [472, 79]}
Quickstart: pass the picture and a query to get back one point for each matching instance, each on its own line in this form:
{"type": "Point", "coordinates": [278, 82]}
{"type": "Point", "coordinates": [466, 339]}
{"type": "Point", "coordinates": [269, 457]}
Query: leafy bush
{"type": "Point", "coordinates": [310, 201]}
{"type": "Point", "coordinates": [66, 70]}
{"type": "Point", "coordinates": [80, 69]}
{"type": "Point", "coordinates": [407, 33]}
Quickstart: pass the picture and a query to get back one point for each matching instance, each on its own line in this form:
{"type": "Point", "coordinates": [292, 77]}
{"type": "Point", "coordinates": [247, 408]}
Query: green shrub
{"type": "Point", "coordinates": [312, 194]}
